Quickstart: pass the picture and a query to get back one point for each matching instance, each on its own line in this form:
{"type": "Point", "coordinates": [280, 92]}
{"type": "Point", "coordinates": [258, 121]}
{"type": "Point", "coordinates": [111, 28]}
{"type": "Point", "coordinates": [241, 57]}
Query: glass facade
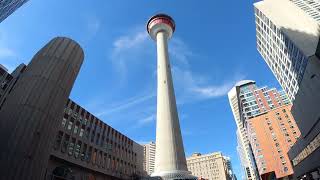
{"type": "Point", "coordinates": [243, 147]}
{"type": "Point", "coordinates": [248, 101]}
{"type": "Point", "coordinates": [311, 7]}
{"type": "Point", "coordinates": [255, 101]}
{"type": "Point", "coordinates": [284, 58]}
{"type": "Point", "coordinates": [7, 7]}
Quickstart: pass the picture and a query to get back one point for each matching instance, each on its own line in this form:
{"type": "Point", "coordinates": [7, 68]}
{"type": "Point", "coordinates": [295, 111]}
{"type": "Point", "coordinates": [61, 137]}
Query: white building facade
{"type": "Point", "coordinates": [149, 157]}
{"type": "Point", "coordinates": [286, 39]}
{"type": "Point", "coordinates": [311, 7]}
{"type": "Point", "coordinates": [244, 150]}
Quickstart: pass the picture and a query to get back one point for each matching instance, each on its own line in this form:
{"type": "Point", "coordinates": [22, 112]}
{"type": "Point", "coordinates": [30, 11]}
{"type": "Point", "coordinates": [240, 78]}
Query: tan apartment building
{"type": "Point", "coordinates": [208, 166]}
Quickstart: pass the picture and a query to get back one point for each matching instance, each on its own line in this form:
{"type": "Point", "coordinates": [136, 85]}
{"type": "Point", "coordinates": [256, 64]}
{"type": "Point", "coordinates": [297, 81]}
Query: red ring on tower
{"type": "Point", "coordinates": [160, 22]}
{"type": "Point", "coordinates": [161, 18]}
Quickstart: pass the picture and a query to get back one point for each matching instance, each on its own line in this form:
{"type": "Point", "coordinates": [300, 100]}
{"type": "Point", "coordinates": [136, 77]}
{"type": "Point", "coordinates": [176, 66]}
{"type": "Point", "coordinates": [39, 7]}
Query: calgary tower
{"type": "Point", "coordinates": [170, 162]}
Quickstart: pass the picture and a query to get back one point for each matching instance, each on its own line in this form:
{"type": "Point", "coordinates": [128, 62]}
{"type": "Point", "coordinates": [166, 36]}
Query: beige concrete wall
{"type": "Point", "coordinates": [209, 166]}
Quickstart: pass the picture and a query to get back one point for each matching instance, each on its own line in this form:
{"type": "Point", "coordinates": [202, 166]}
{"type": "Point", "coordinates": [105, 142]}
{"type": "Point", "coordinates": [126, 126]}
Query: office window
{"type": "Point", "coordinates": [64, 120]}
{"type": "Point", "coordinates": [81, 131]}
{"type": "Point", "coordinates": [92, 136]}
{"type": "Point", "coordinates": [70, 123]}
{"type": "Point", "coordinates": [109, 162]}
{"type": "Point", "coordinates": [76, 128]}
{"type": "Point", "coordinates": [71, 146]}
{"type": "Point", "coordinates": [89, 154]}
{"type": "Point", "coordinates": [83, 152]}
{"type": "Point", "coordinates": [77, 149]}
{"type": "Point", "coordinates": [94, 156]}
{"type": "Point", "coordinates": [65, 143]}
{"type": "Point", "coordinates": [87, 133]}
{"type": "Point", "coordinates": [58, 140]}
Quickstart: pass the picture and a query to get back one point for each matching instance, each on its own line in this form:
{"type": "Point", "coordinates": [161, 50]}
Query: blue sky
{"type": "Point", "coordinates": [213, 47]}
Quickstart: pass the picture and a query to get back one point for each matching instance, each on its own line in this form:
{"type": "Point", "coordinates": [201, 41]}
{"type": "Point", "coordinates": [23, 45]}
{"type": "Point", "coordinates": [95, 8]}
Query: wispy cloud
{"type": "Point", "coordinates": [7, 54]}
{"type": "Point", "coordinates": [92, 26]}
{"type": "Point", "coordinates": [125, 105]}
{"type": "Point", "coordinates": [180, 51]}
{"type": "Point", "coordinates": [130, 49]}
{"type": "Point", "coordinates": [145, 121]}
{"type": "Point", "coordinates": [215, 91]}
{"type": "Point", "coordinates": [126, 42]}
{"type": "Point", "coordinates": [192, 87]}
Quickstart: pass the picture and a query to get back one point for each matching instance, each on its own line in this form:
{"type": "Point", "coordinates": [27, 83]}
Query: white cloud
{"type": "Point", "coordinates": [215, 91]}
{"type": "Point", "coordinates": [8, 55]}
{"type": "Point", "coordinates": [92, 26]}
{"type": "Point", "coordinates": [127, 42]}
{"type": "Point", "coordinates": [147, 119]}
{"type": "Point", "coordinates": [180, 51]}
{"type": "Point", "coordinates": [191, 87]}
{"type": "Point", "coordinates": [125, 105]}
{"type": "Point", "coordinates": [130, 49]}
{"type": "Point", "coordinates": [6, 52]}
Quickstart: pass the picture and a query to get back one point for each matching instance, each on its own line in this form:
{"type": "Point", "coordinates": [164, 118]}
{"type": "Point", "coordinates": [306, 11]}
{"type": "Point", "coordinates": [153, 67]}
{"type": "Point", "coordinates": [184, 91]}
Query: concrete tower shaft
{"type": "Point", "coordinates": [170, 161]}
{"type": "Point", "coordinates": [32, 112]}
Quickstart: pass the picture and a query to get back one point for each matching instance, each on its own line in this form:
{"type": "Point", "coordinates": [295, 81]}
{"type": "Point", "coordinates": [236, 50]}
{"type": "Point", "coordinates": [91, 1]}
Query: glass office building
{"type": "Point", "coordinates": [7, 7]}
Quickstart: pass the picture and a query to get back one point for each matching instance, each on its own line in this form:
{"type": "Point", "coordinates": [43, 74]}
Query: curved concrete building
{"type": "Point", "coordinates": [170, 161]}
{"type": "Point", "coordinates": [34, 108]}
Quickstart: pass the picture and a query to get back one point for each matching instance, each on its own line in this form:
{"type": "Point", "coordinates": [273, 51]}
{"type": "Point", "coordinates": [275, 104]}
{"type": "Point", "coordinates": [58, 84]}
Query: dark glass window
{"type": "Point", "coordinates": [89, 154]}
{"type": "Point", "coordinates": [83, 152]}
{"type": "Point", "coordinates": [65, 143]}
{"type": "Point", "coordinates": [71, 146]}
{"type": "Point", "coordinates": [58, 140]}
{"type": "Point", "coordinates": [77, 149]}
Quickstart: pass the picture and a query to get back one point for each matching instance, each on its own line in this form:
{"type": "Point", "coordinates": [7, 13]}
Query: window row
{"type": "Point", "coordinates": [84, 152]}
{"type": "Point", "coordinates": [310, 148]}
{"type": "Point", "coordinates": [90, 133]}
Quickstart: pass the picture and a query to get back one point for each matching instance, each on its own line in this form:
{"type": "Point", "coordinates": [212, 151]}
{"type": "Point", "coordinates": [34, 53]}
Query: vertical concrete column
{"type": "Point", "coordinates": [170, 161]}
{"type": "Point", "coordinates": [169, 150]}
{"type": "Point", "coordinates": [31, 114]}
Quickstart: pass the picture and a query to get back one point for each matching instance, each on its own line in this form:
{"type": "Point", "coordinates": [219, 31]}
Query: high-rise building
{"type": "Point", "coordinates": [231, 174]}
{"type": "Point", "coordinates": [289, 42]}
{"type": "Point", "coordinates": [209, 166]}
{"type": "Point", "coordinates": [7, 80]}
{"type": "Point", "coordinates": [244, 161]}
{"type": "Point", "coordinates": [5, 77]}
{"type": "Point", "coordinates": [271, 135]}
{"type": "Point", "coordinates": [286, 40]}
{"type": "Point", "coordinates": [244, 150]}
{"type": "Point", "coordinates": [311, 7]}
{"type": "Point", "coordinates": [247, 101]}
{"type": "Point", "coordinates": [170, 160]}
{"type": "Point", "coordinates": [7, 7]}
{"type": "Point", "coordinates": [149, 157]}
{"type": "Point", "coordinates": [45, 135]}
